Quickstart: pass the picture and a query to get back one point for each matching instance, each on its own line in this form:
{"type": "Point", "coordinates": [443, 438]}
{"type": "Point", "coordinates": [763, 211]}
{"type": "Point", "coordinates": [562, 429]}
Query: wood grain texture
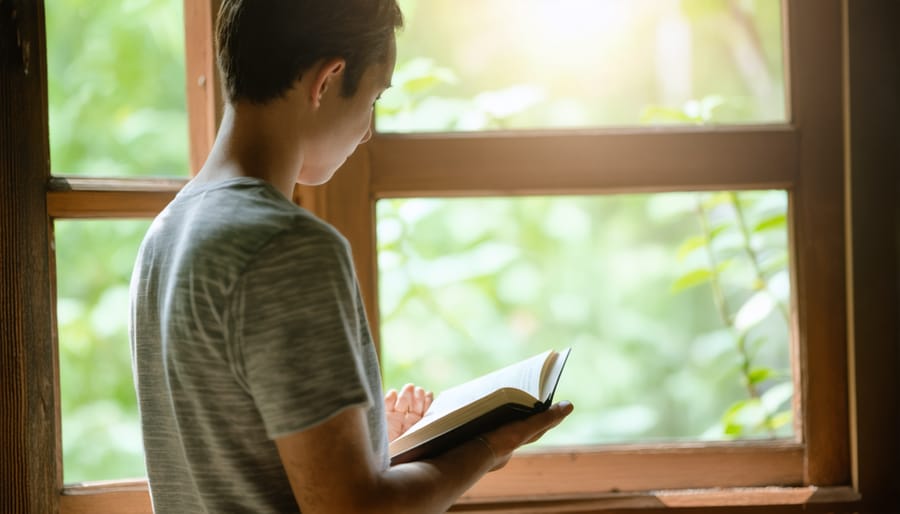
{"type": "Point", "coordinates": [582, 471]}
{"type": "Point", "coordinates": [584, 162]}
{"type": "Point", "coordinates": [133, 498]}
{"type": "Point", "coordinates": [120, 497]}
{"type": "Point", "coordinates": [28, 434]}
{"type": "Point", "coordinates": [818, 214]}
{"type": "Point", "coordinates": [97, 198]}
{"type": "Point", "coordinates": [204, 96]}
{"type": "Point", "coordinates": [873, 137]}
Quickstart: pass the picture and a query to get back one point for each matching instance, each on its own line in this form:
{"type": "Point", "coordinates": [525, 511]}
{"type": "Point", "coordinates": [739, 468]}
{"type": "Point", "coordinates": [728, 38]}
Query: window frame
{"type": "Point", "coordinates": [31, 445]}
{"type": "Point", "coordinates": [803, 156]}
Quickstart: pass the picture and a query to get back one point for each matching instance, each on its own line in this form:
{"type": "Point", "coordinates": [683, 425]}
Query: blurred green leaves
{"type": "Point", "coordinates": [100, 428]}
{"type": "Point", "coordinates": [760, 292]}
{"type": "Point", "coordinates": [116, 85]}
{"type": "Point", "coordinates": [625, 279]}
{"type": "Point", "coordinates": [537, 64]}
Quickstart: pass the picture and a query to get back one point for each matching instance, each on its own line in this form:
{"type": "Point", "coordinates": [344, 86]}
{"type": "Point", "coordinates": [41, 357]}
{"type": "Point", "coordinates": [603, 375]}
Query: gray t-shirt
{"type": "Point", "coordinates": [247, 324]}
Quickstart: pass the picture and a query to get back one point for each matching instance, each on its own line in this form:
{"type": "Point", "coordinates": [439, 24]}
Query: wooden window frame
{"type": "Point", "coordinates": [826, 468]}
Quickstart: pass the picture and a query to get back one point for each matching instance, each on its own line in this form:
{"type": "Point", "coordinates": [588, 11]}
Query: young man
{"type": "Point", "coordinates": [256, 374]}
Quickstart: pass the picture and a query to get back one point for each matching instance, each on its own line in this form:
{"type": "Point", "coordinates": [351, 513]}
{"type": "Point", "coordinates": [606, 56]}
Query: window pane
{"type": "Point", "coordinates": [469, 65]}
{"type": "Point", "coordinates": [100, 426]}
{"type": "Point", "coordinates": [116, 85]}
{"type": "Point", "coordinates": [676, 306]}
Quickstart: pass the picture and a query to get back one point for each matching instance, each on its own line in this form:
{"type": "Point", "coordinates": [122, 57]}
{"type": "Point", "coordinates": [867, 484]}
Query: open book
{"type": "Point", "coordinates": [480, 405]}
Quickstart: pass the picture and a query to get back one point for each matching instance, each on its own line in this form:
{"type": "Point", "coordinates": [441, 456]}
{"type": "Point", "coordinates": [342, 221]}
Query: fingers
{"type": "Point", "coordinates": [390, 400]}
{"type": "Point", "coordinates": [549, 419]}
{"type": "Point", "coordinates": [403, 398]}
{"type": "Point", "coordinates": [421, 401]}
{"type": "Point", "coordinates": [417, 400]}
{"type": "Point", "coordinates": [513, 435]}
{"type": "Point", "coordinates": [411, 399]}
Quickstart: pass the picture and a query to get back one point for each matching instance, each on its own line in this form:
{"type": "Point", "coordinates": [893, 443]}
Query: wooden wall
{"type": "Point", "coordinates": [873, 139]}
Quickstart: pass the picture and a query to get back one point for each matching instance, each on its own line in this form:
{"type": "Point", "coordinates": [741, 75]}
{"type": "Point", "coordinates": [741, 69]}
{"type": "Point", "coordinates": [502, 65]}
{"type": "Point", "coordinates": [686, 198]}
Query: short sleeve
{"type": "Point", "coordinates": [297, 331]}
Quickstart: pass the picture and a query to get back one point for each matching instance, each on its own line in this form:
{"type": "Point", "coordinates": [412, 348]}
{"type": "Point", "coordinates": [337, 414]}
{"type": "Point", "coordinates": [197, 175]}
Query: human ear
{"type": "Point", "coordinates": [326, 73]}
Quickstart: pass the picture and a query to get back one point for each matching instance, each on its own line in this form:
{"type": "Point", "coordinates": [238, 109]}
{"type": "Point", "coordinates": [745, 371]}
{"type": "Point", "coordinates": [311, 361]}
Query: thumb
{"type": "Point", "coordinates": [551, 418]}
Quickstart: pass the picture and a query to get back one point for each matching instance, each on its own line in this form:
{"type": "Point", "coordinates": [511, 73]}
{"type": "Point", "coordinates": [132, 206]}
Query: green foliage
{"type": "Point", "coordinates": [468, 285]}
{"type": "Point", "coordinates": [588, 63]}
{"type": "Point", "coordinates": [760, 300]}
{"type": "Point", "coordinates": [100, 430]}
{"type": "Point", "coordinates": [116, 85]}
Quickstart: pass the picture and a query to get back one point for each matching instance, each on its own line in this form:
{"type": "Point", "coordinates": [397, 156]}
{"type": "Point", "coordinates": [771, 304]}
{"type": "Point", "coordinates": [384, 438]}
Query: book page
{"type": "Point", "coordinates": [524, 375]}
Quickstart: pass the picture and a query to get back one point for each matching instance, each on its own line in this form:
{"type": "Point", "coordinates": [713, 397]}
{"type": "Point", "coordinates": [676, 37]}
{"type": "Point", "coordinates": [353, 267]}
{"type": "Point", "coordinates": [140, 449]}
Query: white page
{"type": "Point", "coordinates": [524, 375]}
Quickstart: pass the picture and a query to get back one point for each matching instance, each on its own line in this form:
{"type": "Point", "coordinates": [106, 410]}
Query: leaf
{"type": "Point", "coordinates": [754, 311]}
{"type": "Point", "coordinates": [691, 279]}
{"type": "Point", "coordinates": [714, 233]}
{"type": "Point", "coordinates": [746, 413]}
{"type": "Point", "coordinates": [734, 410]}
{"type": "Point", "coordinates": [777, 221]}
{"type": "Point", "coordinates": [733, 429]}
{"type": "Point", "coordinates": [421, 84]}
{"type": "Point", "coordinates": [777, 395]}
{"type": "Point", "coordinates": [759, 375]}
{"type": "Point", "coordinates": [780, 419]}
{"type": "Point", "coordinates": [689, 246]}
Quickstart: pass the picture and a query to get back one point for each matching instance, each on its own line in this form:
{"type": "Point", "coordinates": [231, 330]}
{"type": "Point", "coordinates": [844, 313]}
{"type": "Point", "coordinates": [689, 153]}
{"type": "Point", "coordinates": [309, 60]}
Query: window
{"type": "Point", "coordinates": [585, 63]}
{"type": "Point", "coordinates": [791, 155]}
{"type": "Point", "coordinates": [469, 284]}
{"type": "Point", "coordinates": [677, 306]}
{"type": "Point", "coordinates": [801, 156]}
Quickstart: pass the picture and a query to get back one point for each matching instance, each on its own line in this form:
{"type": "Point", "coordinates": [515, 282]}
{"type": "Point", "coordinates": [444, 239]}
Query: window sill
{"type": "Point", "coordinates": [132, 497]}
{"type": "Point", "coordinates": [788, 499]}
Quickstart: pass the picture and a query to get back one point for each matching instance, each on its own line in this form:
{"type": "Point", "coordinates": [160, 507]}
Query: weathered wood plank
{"type": "Point", "coordinates": [29, 471]}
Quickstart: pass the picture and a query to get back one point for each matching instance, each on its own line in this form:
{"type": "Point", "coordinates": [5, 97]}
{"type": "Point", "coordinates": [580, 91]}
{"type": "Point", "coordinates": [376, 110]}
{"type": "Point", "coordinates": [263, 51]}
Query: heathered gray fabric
{"type": "Point", "coordinates": [247, 324]}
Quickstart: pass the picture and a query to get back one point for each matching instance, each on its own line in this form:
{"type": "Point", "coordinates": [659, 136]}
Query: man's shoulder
{"type": "Point", "coordinates": [238, 220]}
{"type": "Point", "coordinates": [247, 206]}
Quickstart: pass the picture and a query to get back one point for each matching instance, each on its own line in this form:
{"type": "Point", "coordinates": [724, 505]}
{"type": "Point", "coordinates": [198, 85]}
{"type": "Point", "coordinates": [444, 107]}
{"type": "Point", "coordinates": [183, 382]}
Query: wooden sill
{"type": "Point", "coordinates": [75, 197]}
{"type": "Point", "coordinates": [132, 497]}
{"type": "Point", "coordinates": [756, 499]}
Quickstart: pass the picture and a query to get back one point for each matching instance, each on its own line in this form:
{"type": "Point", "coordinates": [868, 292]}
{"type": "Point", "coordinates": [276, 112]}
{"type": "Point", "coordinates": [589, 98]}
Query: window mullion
{"type": "Point", "coordinates": [204, 96]}
{"type": "Point", "coordinates": [818, 251]}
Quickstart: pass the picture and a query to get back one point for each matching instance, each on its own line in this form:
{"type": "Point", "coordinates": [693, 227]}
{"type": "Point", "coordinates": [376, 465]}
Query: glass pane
{"type": "Point", "coordinates": [116, 83]}
{"type": "Point", "coordinates": [676, 306]}
{"type": "Point", "coordinates": [100, 426]}
{"type": "Point", "coordinates": [469, 65]}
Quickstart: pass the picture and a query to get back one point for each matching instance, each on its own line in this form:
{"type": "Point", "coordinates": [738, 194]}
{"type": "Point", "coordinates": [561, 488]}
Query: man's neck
{"type": "Point", "coordinates": [255, 141]}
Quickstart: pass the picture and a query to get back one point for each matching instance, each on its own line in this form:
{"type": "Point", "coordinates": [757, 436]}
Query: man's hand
{"type": "Point", "coordinates": [504, 440]}
{"type": "Point", "coordinates": [405, 408]}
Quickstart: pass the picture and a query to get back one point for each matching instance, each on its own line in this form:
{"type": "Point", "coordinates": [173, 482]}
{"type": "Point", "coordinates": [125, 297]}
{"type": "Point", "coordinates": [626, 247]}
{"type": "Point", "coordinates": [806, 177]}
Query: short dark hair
{"type": "Point", "coordinates": [264, 46]}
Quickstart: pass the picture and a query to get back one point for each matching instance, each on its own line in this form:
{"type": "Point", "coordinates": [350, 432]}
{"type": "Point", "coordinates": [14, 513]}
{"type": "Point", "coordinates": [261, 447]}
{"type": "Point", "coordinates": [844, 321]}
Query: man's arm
{"type": "Point", "coordinates": [332, 468]}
